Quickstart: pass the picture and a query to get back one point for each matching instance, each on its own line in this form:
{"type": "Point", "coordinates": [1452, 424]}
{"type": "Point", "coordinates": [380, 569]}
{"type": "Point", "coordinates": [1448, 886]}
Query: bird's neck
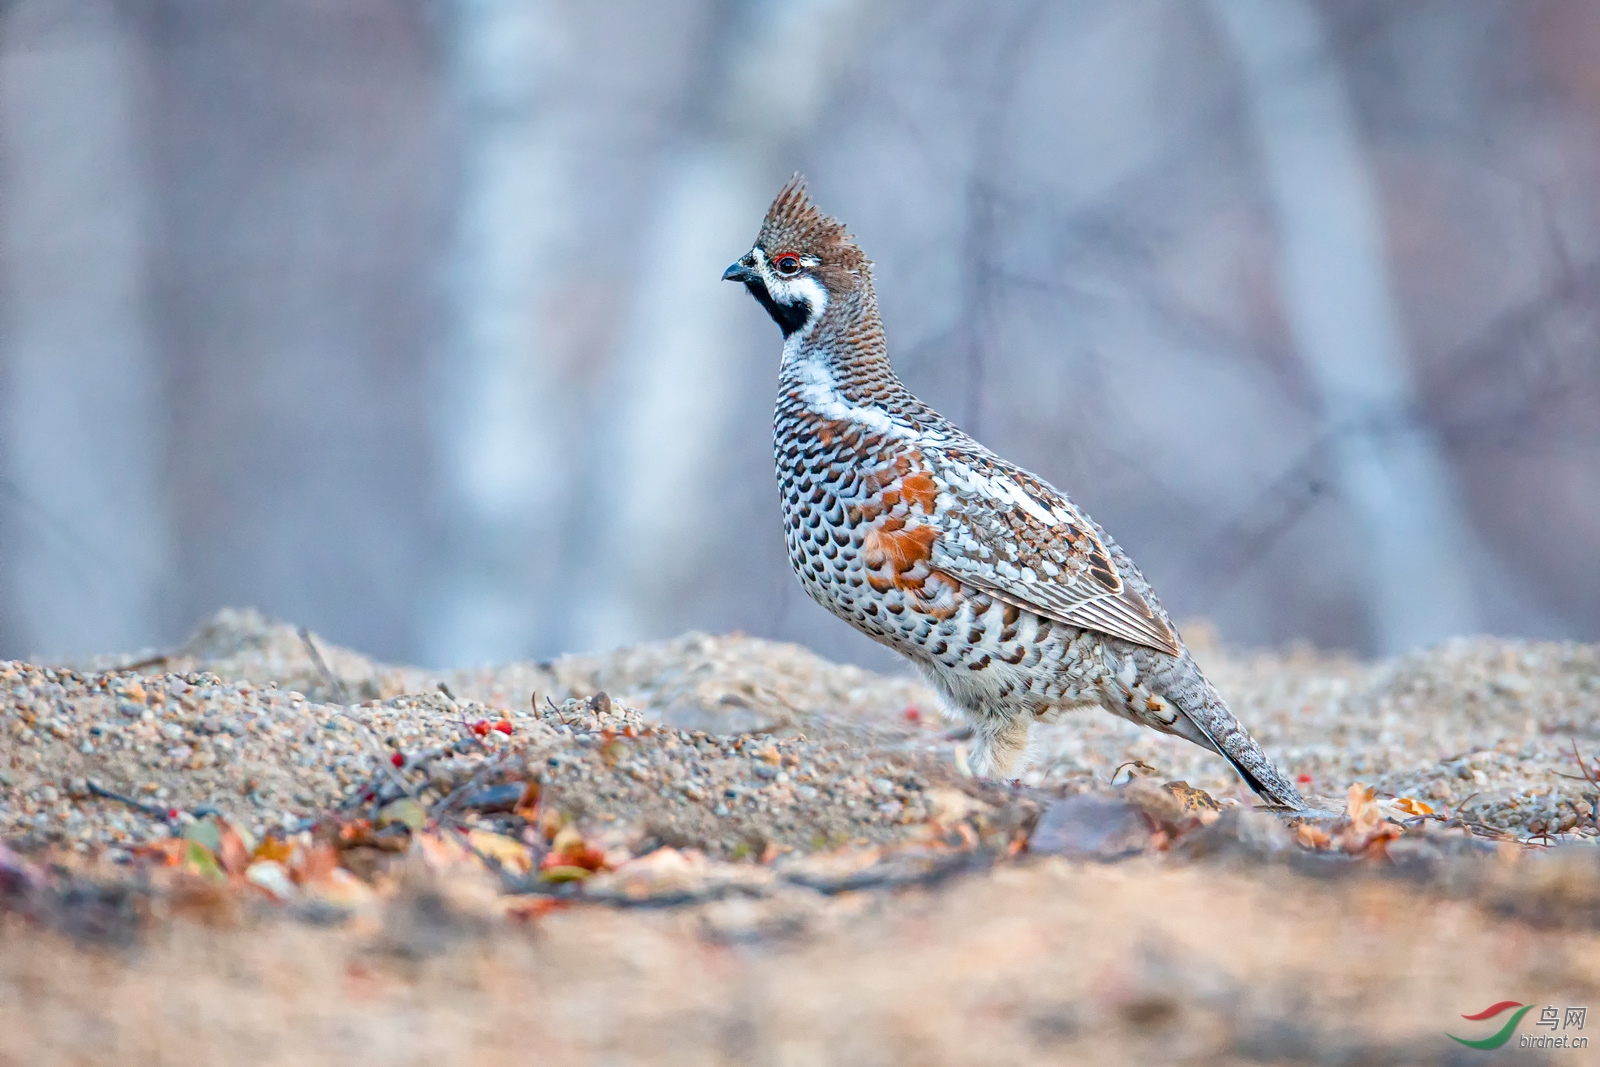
{"type": "Point", "coordinates": [845, 347]}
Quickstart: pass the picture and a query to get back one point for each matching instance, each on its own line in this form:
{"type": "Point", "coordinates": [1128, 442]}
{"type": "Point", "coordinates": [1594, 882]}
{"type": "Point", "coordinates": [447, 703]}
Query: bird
{"type": "Point", "coordinates": [1013, 603]}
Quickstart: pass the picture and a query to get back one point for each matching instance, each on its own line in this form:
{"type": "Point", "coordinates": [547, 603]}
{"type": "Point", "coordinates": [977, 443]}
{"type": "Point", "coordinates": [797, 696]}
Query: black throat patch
{"type": "Point", "coordinates": [789, 317]}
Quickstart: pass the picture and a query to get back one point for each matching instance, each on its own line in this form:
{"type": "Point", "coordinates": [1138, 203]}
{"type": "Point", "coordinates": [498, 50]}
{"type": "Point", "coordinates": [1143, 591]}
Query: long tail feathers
{"type": "Point", "coordinates": [1273, 786]}
{"type": "Point", "coordinates": [1221, 732]}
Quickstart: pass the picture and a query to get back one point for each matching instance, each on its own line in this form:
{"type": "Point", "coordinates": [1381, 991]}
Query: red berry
{"type": "Point", "coordinates": [398, 760]}
{"type": "Point", "coordinates": [481, 727]}
{"type": "Point", "coordinates": [504, 726]}
{"type": "Point", "coordinates": [913, 714]}
{"type": "Point", "coordinates": [1304, 779]}
{"type": "Point", "coordinates": [172, 813]}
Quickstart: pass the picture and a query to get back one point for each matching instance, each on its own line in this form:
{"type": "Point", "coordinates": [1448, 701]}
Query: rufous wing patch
{"type": "Point", "coordinates": [921, 490]}
{"type": "Point", "coordinates": [897, 555]}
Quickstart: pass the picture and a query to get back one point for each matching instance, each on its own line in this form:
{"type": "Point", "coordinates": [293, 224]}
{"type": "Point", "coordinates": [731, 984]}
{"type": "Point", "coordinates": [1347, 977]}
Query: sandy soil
{"type": "Point", "coordinates": [789, 864]}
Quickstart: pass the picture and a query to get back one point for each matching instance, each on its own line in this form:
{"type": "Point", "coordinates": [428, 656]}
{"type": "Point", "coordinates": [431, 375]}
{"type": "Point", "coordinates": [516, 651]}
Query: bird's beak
{"type": "Point", "coordinates": [740, 271]}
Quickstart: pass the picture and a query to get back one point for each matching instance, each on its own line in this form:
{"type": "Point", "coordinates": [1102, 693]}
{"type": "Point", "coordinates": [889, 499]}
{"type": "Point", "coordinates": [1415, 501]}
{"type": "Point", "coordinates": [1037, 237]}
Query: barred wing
{"type": "Point", "coordinates": [1006, 532]}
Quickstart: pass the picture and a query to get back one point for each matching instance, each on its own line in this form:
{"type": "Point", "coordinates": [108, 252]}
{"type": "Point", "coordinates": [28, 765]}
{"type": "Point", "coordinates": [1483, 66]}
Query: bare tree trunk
{"type": "Point", "coordinates": [500, 415]}
{"type": "Point", "coordinates": [85, 550]}
{"type": "Point", "coordinates": [1335, 286]}
{"type": "Point", "coordinates": [680, 366]}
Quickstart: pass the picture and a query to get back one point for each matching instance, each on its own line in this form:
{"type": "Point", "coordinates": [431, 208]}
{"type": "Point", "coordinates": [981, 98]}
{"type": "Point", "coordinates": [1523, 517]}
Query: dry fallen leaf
{"type": "Point", "coordinates": [569, 849]}
{"type": "Point", "coordinates": [528, 807]}
{"type": "Point", "coordinates": [511, 854]}
{"type": "Point", "coordinates": [404, 812]}
{"type": "Point", "coordinates": [233, 852]}
{"type": "Point", "coordinates": [1195, 802]}
{"type": "Point", "coordinates": [1314, 837]}
{"type": "Point", "coordinates": [1368, 831]}
{"type": "Point", "coordinates": [1361, 808]}
{"type": "Point", "coordinates": [273, 848]}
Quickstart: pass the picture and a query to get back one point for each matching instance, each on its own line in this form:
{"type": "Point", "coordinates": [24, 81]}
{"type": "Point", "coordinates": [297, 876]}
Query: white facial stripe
{"type": "Point", "coordinates": [799, 290]}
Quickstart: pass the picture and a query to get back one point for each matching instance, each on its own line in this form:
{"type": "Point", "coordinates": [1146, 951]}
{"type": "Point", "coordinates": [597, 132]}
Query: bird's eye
{"type": "Point", "coordinates": [787, 264]}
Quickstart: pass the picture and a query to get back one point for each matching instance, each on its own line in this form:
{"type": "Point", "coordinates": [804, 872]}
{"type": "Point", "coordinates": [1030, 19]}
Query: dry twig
{"type": "Point", "coordinates": [334, 683]}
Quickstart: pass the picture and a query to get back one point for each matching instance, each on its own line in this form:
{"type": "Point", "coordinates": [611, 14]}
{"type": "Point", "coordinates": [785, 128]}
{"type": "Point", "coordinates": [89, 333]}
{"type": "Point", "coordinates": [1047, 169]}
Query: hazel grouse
{"type": "Point", "coordinates": [1015, 604]}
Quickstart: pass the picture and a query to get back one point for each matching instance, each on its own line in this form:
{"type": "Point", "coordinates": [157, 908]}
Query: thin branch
{"type": "Point", "coordinates": [154, 812]}
{"type": "Point", "coordinates": [333, 682]}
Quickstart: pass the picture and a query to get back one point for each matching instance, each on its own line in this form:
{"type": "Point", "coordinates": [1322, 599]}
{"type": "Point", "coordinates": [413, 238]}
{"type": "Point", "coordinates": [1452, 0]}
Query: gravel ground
{"type": "Point", "coordinates": [755, 742]}
{"type": "Point", "coordinates": [219, 730]}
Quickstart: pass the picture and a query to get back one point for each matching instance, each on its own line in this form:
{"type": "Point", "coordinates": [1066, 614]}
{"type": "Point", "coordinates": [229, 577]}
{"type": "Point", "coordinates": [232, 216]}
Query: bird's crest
{"type": "Point", "coordinates": [793, 223]}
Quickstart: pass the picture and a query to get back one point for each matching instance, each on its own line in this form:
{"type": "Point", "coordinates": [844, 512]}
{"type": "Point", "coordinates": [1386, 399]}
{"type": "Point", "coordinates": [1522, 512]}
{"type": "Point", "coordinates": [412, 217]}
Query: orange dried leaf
{"type": "Point", "coordinates": [569, 849]}
{"type": "Point", "coordinates": [169, 851]}
{"type": "Point", "coordinates": [1373, 844]}
{"type": "Point", "coordinates": [1367, 830]}
{"type": "Point", "coordinates": [275, 849]}
{"type": "Point", "coordinates": [1361, 808]}
{"type": "Point", "coordinates": [1358, 797]}
{"type": "Point", "coordinates": [1312, 836]}
{"type": "Point", "coordinates": [528, 807]}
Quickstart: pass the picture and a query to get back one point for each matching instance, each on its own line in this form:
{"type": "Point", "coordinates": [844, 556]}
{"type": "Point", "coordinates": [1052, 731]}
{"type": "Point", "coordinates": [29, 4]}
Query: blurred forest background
{"type": "Point", "coordinates": [402, 318]}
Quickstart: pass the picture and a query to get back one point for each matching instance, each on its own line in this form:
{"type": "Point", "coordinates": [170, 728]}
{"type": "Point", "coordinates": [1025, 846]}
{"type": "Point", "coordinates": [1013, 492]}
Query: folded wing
{"type": "Point", "coordinates": [1019, 539]}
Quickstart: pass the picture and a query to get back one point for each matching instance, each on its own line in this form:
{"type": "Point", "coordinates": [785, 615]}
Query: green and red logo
{"type": "Point", "coordinates": [1501, 1036]}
